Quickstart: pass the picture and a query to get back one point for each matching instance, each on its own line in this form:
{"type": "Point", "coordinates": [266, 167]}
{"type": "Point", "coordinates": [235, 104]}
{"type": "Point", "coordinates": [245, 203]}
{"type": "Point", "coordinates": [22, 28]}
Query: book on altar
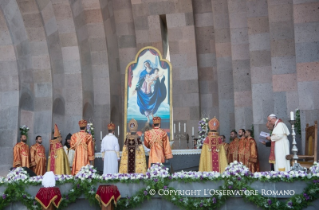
{"type": "Point", "coordinates": [262, 136]}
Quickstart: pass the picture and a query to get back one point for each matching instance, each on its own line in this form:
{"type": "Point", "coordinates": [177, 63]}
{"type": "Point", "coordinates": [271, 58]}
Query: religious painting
{"type": "Point", "coordinates": [148, 90]}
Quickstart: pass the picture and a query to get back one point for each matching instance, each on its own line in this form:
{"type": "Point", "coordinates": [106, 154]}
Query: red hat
{"type": "Point", "coordinates": [83, 123]}
{"type": "Point", "coordinates": [156, 120]}
{"type": "Point", "coordinates": [111, 126]}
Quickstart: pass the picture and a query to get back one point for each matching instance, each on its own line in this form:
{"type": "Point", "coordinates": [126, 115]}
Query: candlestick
{"type": "Point", "coordinates": [184, 127]}
{"type": "Point", "coordinates": [118, 130]}
{"type": "Point", "coordinates": [101, 135]}
{"type": "Point", "coordinates": [292, 115]}
{"type": "Point", "coordinates": [192, 131]}
{"type": "Point", "coordinates": [174, 128]}
{"type": "Point", "coordinates": [296, 166]}
{"type": "Point", "coordinates": [179, 127]}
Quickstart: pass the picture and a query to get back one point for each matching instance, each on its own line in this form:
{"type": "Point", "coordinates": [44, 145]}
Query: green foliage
{"type": "Point", "coordinates": [15, 192]}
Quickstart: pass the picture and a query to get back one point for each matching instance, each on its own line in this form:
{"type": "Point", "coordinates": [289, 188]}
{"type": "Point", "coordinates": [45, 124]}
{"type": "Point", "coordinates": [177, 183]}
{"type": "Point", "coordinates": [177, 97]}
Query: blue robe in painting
{"type": "Point", "coordinates": [151, 101]}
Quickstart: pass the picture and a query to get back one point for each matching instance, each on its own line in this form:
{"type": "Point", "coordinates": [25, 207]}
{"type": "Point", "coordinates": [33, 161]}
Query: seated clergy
{"type": "Point", "coordinates": [133, 155]}
{"type": "Point", "coordinates": [213, 155]}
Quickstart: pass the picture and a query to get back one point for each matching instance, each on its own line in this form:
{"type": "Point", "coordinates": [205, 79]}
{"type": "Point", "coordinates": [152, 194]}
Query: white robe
{"type": "Point", "coordinates": [110, 146]}
{"type": "Point", "coordinates": [70, 154]}
{"type": "Point", "coordinates": [279, 135]}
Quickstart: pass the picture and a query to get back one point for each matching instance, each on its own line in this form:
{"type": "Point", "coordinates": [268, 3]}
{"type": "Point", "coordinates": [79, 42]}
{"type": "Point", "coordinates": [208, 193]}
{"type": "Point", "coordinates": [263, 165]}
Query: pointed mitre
{"type": "Point", "coordinates": [213, 124]}
{"type": "Point", "coordinates": [132, 125]}
{"type": "Point", "coordinates": [56, 131]}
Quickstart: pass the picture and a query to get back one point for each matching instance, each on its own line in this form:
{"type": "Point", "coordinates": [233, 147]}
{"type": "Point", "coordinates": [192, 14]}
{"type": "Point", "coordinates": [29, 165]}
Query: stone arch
{"type": "Point", "coordinates": [59, 114]}
{"type": "Point", "coordinates": [26, 113]}
{"type": "Point", "coordinates": [9, 90]}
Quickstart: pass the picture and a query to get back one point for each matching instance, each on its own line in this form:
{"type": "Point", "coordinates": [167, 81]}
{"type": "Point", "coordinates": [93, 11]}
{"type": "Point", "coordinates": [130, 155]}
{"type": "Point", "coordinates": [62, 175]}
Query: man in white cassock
{"type": "Point", "coordinates": [110, 151]}
{"type": "Point", "coordinates": [279, 136]}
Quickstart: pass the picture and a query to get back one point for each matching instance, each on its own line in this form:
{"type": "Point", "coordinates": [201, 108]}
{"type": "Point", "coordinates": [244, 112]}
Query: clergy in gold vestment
{"type": "Point", "coordinates": [241, 147]}
{"type": "Point", "coordinates": [58, 161]}
{"type": "Point", "coordinates": [232, 153]}
{"type": "Point", "coordinates": [213, 155]}
{"type": "Point", "coordinates": [158, 143]}
{"type": "Point", "coordinates": [133, 154]}
{"type": "Point", "coordinates": [38, 160]}
{"type": "Point", "coordinates": [21, 156]}
{"type": "Point", "coordinates": [82, 143]}
{"type": "Point", "coordinates": [251, 153]}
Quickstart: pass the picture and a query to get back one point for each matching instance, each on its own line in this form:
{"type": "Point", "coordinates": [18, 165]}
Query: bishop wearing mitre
{"type": "Point", "coordinates": [133, 155]}
{"type": "Point", "coordinates": [82, 143]}
{"type": "Point", "coordinates": [158, 143]}
{"type": "Point", "coordinates": [57, 161]}
{"type": "Point", "coordinates": [213, 155]}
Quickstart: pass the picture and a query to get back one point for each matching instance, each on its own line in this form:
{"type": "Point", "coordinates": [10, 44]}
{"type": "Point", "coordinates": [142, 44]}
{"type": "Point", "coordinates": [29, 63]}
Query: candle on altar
{"type": "Point", "coordinates": [292, 115]}
{"type": "Point", "coordinates": [179, 127]}
{"type": "Point", "coordinates": [118, 130]}
{"type": "Point", "coordinates": [174, 128]}
{"type": "Point", "coordinates": [101, 135]}
{"type": "Point", "coordinates": [184, 127]}
{"type": "Point", "coordinates": [192, 131]}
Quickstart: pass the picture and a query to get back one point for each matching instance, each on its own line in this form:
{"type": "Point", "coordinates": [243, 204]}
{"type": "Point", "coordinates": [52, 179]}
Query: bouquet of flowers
{"type": "Point", "coordinates": [314, 169]}
{"type": "Point", "coordinates": [236, 169]}
{"type": "Point", "coordinates": [88, 173]}
{"type": "Point", "coordinates": [122, 177]}
{"type": "Point", "coordinates": [157, 171]}
{"type": "Point", "coordinates": [16, 175]}
{"type": "Point", "coordinates": [90, 129]}
{"type": "Point", "coordinates": [24, 130]}
{"type": "Point", "coordinates": [202, 131]}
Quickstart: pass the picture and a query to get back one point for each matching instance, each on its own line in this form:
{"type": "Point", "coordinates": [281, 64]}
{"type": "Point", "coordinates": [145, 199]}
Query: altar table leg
{"type": "Point", "coordinates": [50, 207]}
{"type": "Point", "coordinates": [109, 207]}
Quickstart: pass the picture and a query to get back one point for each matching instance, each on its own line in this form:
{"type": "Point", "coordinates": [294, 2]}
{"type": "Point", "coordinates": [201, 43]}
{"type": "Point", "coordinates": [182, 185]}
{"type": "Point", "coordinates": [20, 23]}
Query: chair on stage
{"type": "Point", "coordinates": [311, 147]}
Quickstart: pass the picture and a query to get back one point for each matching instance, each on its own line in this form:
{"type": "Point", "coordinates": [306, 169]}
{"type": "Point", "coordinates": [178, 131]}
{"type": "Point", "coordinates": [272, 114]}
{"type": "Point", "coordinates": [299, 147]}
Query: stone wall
{"type": "Point", "coordinates": [238, 60]}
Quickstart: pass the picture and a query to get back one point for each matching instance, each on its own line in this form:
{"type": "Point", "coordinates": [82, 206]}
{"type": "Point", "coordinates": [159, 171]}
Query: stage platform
{"type": "Point", "coordinates": [157, 202]}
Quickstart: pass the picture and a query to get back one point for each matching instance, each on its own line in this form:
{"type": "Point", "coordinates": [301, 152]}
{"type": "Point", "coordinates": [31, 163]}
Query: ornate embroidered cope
{"type": "Point", "coordinates": [82, 143]}
{"type": "Point", "coordinates": [160, 149]}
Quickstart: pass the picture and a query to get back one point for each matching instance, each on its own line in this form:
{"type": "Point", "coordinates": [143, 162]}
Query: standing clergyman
{"type": "Point", "coordinates": [110, 151]}
{"type": "Point", "coordinates": [279, 136]}
{"type": "Point", "coordinates": [158, 142]}
{"type": "Point", "coordinates": [38, 159]}
{"type": "Point", "coordinates": [82, 143]}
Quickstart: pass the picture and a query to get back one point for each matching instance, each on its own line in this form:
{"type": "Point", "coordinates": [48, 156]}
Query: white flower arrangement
{"type": "Point", "coordinates": [202, 131]}
{"type": "Point", "coordinates": [122, 177]}
{"type": "Point", "coordinates": [314, 169]}
{"type": "Point", "coordinates": [90, 129]}
{"type": "Point", "coordinates": [236, 169]}
{"type": "Point", "coordinates": [24, 130]}
{"type": "Point", "coordinates": [194, 175]}
{"type": "Point", "coordinates": [87, 173]}
{"type": "Point", "coordinates": [18, 174]}
{"type": "Point", "coordinates": [157, 171]}
{"type": "Point", "coordinates": [281, 175]}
